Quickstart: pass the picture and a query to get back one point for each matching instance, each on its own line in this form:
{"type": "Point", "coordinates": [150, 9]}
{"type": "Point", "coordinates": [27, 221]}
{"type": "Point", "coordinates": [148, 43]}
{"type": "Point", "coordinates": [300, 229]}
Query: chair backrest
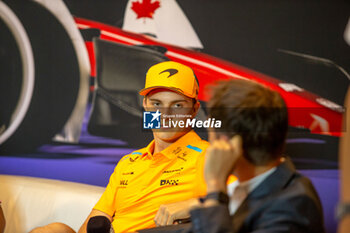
{"type": "Point", "coordinates": [30, 202]}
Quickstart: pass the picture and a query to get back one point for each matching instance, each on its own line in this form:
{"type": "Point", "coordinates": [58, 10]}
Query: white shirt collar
{"type": "Point", "coordinates": [247, 187]}
{"type": "Point", "coordinates": [251, 184]}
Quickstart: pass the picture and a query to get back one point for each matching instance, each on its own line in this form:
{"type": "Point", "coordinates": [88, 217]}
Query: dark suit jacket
{"type": "Point", "coordinates": [285, 201]}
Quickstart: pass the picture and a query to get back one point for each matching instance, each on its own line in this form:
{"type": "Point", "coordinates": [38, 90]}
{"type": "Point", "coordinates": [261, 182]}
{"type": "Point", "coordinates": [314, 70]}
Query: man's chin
{"type": "Point", "coordinates": [169, 136]}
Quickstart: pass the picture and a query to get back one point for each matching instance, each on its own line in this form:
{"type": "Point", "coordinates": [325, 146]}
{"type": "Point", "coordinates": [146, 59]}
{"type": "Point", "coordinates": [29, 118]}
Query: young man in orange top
{"type": "Point", "coordinates": [167, 175]}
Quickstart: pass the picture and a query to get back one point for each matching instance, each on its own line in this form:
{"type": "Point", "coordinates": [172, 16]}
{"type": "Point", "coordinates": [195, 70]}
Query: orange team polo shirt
{"type": "Point", "coordinates": [141, 182]}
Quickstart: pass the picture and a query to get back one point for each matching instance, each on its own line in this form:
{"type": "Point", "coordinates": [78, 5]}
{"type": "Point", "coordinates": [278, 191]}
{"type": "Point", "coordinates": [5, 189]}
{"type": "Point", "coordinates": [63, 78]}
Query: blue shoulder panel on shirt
{"type": "Point", "coordinates": [136, 153]}
{"type": "Point", "coordinates": [194, 148]}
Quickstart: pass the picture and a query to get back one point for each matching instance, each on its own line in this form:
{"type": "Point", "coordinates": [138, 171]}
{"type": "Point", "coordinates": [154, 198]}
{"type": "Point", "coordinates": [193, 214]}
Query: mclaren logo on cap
{"type": "Point", "coordinates": [171, 72]}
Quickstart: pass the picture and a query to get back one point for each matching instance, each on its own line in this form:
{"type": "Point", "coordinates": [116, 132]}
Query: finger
{"type": "Point", "coordinates": [158, 215]}
{"type": "Point", "coordinates": [225, 143]}
{"type": "Point", "coordinates": [156, 222]}
{"type": "Point", "coordinates": [170, 220]}
{"type": "Point", "coordinates": [224, 146]}
{"type": "Point", "coordinates": [215, 144]}
{"type": "Point", "coordinates": [164, 219]}
{"type": "Point", "coordinates": [214, 149]}
{"type": "Point", "coordinates": [162, 215]}
{"type": "Point", "coordinates": [237, 145]}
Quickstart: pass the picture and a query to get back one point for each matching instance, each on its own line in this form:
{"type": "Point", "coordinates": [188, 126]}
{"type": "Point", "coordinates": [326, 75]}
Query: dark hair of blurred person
{"type": "Point", "coordinates": [261, 122]}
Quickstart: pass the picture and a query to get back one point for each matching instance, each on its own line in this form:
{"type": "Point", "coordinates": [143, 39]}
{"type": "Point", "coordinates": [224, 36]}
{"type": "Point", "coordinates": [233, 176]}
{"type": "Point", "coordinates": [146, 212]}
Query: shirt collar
{"type": "Point", "coordinates": [250, 185]}
{"type": "Point", "coordinates": [149, 148]}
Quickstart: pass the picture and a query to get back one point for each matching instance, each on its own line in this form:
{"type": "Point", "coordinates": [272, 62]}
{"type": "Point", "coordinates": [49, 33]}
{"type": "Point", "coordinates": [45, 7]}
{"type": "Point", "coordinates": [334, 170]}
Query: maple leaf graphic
{"type": "Point", "coordinates": [145, 8]}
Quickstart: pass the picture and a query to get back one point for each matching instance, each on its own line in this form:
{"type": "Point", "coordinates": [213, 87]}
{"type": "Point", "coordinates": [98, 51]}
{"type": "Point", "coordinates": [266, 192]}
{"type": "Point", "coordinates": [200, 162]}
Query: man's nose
{"type": "Point", "coordinates": [166, 111]}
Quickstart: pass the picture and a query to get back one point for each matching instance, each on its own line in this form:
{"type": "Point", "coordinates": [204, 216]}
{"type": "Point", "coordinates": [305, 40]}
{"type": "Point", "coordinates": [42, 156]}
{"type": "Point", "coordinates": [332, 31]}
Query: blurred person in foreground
{"type": "Point", "coordinates": [167, 175]}
{"type": "Point", "coordinates": [270, 196]}
{"type": "Point", "coordinates": [343, 209]}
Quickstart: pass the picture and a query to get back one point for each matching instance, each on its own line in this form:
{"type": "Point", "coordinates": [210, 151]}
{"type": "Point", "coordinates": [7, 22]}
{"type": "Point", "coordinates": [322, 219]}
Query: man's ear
{"type": "Point", "coordinates": [144, 103]}
{"type": "Point", "coordinates": [196, 107]}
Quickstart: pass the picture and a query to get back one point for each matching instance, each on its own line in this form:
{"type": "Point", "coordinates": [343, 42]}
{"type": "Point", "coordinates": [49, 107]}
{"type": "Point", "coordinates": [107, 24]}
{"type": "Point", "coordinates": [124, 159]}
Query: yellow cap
{"type": "Point", "coordinates": [171, 75]}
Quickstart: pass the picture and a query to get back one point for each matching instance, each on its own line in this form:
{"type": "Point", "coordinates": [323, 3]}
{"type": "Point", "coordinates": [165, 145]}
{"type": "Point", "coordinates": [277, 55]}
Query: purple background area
{"type": "Point", "coordinates": [326, 183]}
{"type": "Point", "coordinates": [92, 168]}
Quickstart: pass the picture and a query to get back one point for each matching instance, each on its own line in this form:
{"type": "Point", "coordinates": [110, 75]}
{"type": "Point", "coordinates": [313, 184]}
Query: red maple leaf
{"type": "Point", "coordinates": [145, 9]}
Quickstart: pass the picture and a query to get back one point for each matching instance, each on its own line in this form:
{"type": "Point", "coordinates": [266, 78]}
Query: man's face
{"type": "Point", "coordinates": [170, 104]}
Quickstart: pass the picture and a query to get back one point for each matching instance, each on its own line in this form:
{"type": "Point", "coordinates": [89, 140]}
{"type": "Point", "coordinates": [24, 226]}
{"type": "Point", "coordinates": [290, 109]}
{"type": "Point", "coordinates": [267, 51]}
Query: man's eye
{"type": "Point", "coordinates": [177, 105]}
{"type": "Point", "coordinates": [156, 104]}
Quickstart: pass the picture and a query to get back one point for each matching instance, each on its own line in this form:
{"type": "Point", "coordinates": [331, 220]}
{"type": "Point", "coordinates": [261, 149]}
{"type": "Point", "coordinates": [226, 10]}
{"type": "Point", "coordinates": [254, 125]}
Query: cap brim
{"type": "Point", "coordinates": [145, 91]}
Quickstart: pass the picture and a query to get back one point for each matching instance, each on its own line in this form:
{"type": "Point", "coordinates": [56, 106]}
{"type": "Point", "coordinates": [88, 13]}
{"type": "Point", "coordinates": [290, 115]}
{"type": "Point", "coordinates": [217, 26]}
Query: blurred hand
{"type": "Point", "coordinates": [168, 213]}
{"type": "Point", "coordinates": [221, 157]}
